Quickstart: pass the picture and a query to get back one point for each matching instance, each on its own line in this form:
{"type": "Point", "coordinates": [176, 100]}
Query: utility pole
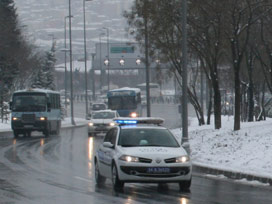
{"type": "Point", "coordinates": [71, 66]}
{"type": "Point", "coordinates": [93, 76]}
{"type": "Point", "coordinates": [184, 76]}
{"type": "Point", "coordinates": [148, 111]}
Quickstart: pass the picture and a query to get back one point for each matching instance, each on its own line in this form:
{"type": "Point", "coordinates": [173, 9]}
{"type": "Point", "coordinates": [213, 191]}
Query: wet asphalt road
{"type": "Point", "coordinates": [60, 170]}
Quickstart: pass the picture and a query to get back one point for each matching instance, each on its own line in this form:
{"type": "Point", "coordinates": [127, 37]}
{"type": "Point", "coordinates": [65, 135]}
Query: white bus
{"type": "Point", "coordinates": [35, 110]}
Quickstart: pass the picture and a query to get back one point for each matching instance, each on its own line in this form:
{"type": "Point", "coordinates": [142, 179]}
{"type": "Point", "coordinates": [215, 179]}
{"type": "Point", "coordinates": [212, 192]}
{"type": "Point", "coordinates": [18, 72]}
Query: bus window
{"type": "Point", "coordinates": [28, 103]}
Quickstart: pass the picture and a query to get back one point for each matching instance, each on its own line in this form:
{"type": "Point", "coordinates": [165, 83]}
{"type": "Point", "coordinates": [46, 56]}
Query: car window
{"type": "Point", "coordinates": [98, 107]}
{"type": "Point", "coordinates": [103, 115]}
{"type": "Point", "coordinates": [147, 137]}
{"type": "Point", "coordinates": [111, 136]}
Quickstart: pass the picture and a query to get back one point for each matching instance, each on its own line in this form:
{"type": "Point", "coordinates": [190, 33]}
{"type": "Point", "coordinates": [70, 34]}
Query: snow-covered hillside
{"type": "Point", "coordinates": [44, 18]}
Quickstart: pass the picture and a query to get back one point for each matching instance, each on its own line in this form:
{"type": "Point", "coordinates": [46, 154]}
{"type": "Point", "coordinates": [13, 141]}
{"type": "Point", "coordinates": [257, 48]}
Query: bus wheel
{"type": "Point", "coordinates": [46, 133]}
{"type": "Point", "coordinates": [58, 128]}
{"type": "Point", "coordinates": [15, 134]}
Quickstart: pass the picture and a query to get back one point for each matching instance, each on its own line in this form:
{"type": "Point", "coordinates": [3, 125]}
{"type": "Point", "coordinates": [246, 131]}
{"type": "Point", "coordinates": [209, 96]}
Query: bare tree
{"type": "Point", "coordinates": [164, 36]}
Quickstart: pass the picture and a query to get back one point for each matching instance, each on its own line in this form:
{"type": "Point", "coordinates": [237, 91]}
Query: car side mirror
{"type": "Point", "coordinates": [108, 145]}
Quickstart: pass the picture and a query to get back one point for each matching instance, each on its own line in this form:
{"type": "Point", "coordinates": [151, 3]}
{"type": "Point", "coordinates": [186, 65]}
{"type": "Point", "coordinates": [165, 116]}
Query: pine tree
{"type": "Point", "coordinates": [44, 78]}
{"type": "Point", "coordinates": [49, 67]}
{"type": "Point", "coordinates": [9, 37]}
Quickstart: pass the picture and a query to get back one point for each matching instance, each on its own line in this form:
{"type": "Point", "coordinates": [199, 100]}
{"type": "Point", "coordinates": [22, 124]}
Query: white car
{"type": "Point", "coordinates": [96, 107]}
{"type": "Point", "coordinates": [142, 153]}
{"type": "Point", "coordinates": [102, 121]}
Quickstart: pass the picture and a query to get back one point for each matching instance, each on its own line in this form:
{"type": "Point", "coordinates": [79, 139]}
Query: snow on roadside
{"type": "Point", "coordinates": [246, 151]}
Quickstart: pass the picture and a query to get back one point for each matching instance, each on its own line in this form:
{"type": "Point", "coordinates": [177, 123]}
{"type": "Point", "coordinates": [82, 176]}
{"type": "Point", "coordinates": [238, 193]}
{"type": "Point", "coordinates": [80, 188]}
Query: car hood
{"type": "Point", "coordinates": [101, 121]}
{"type": "Point", "coordinates": [150, 152]}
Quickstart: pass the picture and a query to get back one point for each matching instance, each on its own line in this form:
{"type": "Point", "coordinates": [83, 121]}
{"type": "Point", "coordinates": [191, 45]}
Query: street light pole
{"type": "Point", "coordinates": [184, 76]}
{"type": "Point", "coordinates": [100, 62]}
{"type": "Point", "coordinates": [71, 67]}
{"type": "Point", "coordinates": [148, 111]}
{"type": "Point", "coordinates": [93, 76]}
{"type": "Point", "coordinates": [65, 65]}
{"type": "Point", "coordinates": [85, 59]}
{"type": "Point", "coordinates": [108, 54]}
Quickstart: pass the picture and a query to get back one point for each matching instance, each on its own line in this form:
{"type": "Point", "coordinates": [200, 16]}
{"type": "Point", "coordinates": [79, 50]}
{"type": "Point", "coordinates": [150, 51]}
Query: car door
{"type": "Point", "coordinates": [107, 153]}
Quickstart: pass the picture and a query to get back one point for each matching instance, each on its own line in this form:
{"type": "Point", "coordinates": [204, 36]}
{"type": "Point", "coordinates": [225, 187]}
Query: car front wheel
{"type": "Point", "coordinates": [98, 178]}
{"type": "Point", "coordinates": [117, 184]}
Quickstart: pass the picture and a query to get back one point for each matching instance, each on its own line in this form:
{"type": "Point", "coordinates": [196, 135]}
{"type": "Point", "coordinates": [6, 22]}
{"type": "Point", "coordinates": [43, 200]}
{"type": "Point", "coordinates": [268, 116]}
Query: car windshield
{"type": "Point", "coordinates": [135, 137]}
{"type": "Point", "coordinates": [98, 107]}
{"type": "Point", "coordinates": [104, 115]}
{"type": "Point", "coordinates": [29, 102]}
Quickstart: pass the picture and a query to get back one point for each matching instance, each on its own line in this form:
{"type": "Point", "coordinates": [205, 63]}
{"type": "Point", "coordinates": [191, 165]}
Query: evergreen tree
{"type": "Point", "coordinates": [49, 67]}
{"type": "Point", "coordinates": [9, 40]}
{"type": "Point", "coordinates": [44, 78]}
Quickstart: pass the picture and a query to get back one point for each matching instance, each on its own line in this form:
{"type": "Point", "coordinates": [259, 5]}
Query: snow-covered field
{"type": "Point", "coordinates": [246, 151]}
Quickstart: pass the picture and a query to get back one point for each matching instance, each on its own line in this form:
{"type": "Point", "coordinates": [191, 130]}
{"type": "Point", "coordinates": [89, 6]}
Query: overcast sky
{"type": "Point", "coordinates": [43, 18]}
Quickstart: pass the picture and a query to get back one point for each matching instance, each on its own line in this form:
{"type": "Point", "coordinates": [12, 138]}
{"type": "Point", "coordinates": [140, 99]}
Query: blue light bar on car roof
{"type": "Point", "coordinates": [139, 120]}
{"type": "Point", "coordinates": [126, 122]}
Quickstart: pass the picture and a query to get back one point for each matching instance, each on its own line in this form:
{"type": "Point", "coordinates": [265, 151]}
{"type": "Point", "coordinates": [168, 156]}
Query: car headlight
{"type": "Point", "coordinates": [129, 158]}
{"type": "Point", "coordinates": [133, 115]}
{"type": "Point", "coordinates": [15, 118]}
{"type": "Point", "coordinates": [42, 118]}
{"type": "Point", "coordinates": [90, 124]}
{"type": "Point", "coordinates": [182, 159]}
{"type": "Point", "coordinates": [112, 124]}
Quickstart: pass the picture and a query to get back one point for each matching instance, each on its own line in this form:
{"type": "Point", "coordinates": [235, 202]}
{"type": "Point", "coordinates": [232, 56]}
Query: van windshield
{"type": "Point", "coordinates": [34, 102]}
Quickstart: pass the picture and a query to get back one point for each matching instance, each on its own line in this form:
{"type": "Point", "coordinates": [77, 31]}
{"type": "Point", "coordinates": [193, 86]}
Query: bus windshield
{"type": "Point", "coordinates": [122, 103]}
{"type": "Point", "coordinates": [29, 102]}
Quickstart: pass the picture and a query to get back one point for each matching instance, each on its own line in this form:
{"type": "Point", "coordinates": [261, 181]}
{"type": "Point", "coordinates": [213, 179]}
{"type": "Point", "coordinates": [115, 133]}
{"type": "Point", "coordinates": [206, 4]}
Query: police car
{"type": "Point", "coordinates": [140, 150]}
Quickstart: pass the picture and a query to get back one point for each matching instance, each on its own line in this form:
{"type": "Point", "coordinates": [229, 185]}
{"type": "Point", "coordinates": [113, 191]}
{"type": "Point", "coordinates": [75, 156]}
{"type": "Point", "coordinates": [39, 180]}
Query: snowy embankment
{"type": "Point", "coordinates": [246, 151]}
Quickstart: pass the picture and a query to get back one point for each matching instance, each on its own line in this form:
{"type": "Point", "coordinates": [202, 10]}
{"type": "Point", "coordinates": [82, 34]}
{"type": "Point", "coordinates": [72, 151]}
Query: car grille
{"type": "Point", "coordinates": [101, 125]}
{"type": "Point", "coordinates": [144, 160]}
{"type": "Point", "coordinates": [171, 160]}
{"type": "Point", "coordinates": [28, 118]}
{"type": "Point", "coordinates": [143, 171]}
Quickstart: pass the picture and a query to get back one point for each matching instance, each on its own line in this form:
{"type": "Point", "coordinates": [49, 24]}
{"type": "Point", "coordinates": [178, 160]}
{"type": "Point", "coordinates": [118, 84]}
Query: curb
{"type": "Point", "coordinates": [231, 174]}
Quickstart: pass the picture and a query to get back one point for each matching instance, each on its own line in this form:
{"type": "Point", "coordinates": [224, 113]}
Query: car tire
{"type": "Point", "coordinates": [185, 185]}
{"type": "Point", "coordinates": [116, 183]}
{"type": "Point", "coordinates": [100, 180]}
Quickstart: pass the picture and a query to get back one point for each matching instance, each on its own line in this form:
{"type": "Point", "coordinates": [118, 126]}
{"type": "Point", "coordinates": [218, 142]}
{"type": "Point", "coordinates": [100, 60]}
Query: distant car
{"type": "Point", "coordinates": [102, 121]}
{"type": "Point", "coordinates": [142, 153]}
{"type": "Point", "coordinates": [143, 100]}
{"type": "Point", "coordinates": [62, 99]}
{"type": "Point", "coordinates": [97, 107]}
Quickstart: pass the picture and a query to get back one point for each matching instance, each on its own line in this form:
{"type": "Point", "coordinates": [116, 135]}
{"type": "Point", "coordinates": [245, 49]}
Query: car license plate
{"type": "Point", "coordinates": [158, 170]}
